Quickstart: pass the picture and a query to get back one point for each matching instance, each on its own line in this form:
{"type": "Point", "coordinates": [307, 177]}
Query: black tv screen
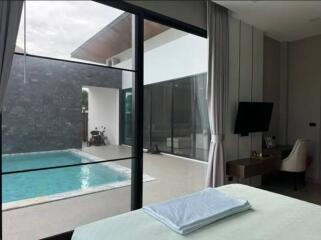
{"type": "Point", "coordinates": [253, 117]}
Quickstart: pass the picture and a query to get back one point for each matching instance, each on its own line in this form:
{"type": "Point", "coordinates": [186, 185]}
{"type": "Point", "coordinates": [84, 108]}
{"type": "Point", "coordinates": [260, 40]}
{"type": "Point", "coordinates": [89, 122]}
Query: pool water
{"type": "Point", "coordinates": [27, 185]}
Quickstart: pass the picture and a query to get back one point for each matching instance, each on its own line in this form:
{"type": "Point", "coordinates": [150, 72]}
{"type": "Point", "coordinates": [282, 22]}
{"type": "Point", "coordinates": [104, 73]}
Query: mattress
{"type": "Point", "coordinates": [272, 216]}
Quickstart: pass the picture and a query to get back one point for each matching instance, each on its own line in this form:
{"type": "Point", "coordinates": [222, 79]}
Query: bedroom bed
{"type": "Point", "coordinates": [272, 216]}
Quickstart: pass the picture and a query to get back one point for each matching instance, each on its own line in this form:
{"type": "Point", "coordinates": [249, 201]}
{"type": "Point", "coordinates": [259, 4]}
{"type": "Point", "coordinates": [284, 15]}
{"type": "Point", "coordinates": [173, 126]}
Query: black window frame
{"type": "Point", "coordinates": [139, 14]}
{"type": "Point", "coordinates": [138, 87]}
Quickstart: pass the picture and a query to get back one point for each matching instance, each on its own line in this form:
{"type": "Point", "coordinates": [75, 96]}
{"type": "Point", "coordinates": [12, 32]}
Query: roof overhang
{"type": "Point", "coordinates": [113, 39]}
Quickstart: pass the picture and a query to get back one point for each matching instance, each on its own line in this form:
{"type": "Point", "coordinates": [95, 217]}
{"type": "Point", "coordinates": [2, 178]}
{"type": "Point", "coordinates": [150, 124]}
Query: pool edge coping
{"type": "Point", "coordinates": [76, 193]}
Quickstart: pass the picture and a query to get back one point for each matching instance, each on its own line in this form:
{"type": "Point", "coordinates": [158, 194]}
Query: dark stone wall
{"type": "Point", "coordinates": [45, 112]}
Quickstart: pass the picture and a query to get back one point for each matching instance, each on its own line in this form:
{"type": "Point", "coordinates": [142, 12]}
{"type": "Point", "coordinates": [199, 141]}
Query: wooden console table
{"type": "Point", "coordinates": [250, 167]}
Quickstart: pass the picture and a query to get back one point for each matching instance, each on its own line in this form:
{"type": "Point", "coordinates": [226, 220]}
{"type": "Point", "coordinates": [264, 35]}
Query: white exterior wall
{"type": "Point", "coordinates": [182, 57]}
{"type": "Point", "coordinates": [103, 110]}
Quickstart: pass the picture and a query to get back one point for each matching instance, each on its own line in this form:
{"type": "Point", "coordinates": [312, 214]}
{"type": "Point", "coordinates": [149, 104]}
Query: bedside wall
{"type": "Point", "coordinates": [304, 98]}
{"type": "Point", "coordinates": [292, 80]}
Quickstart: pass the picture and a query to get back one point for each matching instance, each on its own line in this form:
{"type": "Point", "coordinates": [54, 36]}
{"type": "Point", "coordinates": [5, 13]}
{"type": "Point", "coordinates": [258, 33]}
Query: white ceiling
{"type": "Point", "coordinates": [281, 20]}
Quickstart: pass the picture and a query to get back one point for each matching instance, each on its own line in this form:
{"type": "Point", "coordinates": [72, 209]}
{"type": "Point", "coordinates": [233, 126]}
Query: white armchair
{"type": "Point", "coordinates": [296, 161]}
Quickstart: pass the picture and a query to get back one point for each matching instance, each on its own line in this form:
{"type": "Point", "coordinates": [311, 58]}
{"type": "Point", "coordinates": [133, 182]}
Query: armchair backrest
{"type": "Point", "coordinates": [296, 161]}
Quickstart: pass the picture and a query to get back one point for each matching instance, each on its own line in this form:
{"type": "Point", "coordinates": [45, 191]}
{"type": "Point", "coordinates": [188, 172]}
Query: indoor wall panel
{"type": "Point", "coordinates": [245, 84]}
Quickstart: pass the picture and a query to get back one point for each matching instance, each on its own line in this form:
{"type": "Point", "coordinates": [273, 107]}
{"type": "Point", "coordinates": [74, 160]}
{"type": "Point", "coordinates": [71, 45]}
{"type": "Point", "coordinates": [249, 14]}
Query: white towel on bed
{"type": "Point", "coordinates": [191, 212]}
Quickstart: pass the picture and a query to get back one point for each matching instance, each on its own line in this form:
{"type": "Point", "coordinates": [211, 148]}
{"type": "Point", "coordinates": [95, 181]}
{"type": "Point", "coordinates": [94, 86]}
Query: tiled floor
{"type": "Point", "coordinates": [174, 177]}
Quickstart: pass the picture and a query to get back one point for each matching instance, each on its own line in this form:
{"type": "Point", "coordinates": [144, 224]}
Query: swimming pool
{"type": "Point", "coordinates": [50, 184]}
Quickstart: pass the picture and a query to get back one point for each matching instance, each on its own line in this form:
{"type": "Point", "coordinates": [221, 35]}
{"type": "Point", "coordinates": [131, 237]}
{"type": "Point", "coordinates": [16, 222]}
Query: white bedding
{"type": "Point", "coordinates": [191, 212]}
{"type": "Point", "coordinates": [273, 216]}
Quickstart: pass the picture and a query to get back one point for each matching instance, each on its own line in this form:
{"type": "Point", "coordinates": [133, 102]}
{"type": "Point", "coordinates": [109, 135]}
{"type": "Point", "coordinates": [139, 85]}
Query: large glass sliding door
{"type": "Point", "coordinates": [84, 45]}
{"type": "Point", "coordinates": [53, 178]}
{"type": "Point", "coordinates": [183, 117]}
{"type": "Point", "coordinates": [161, 116]}
{"type": "Point", "coordinates": [148, 104]}
{"type": "Point", "coordinates": [175, 65]}
{"type": "Point", "coordinates": [127, 117]}
{"type": "Point", "coordinates": [175, 117]}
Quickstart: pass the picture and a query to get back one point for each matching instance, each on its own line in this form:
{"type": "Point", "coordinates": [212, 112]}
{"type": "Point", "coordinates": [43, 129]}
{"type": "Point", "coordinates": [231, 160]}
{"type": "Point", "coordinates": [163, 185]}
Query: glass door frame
{"type": "Point", "coordinates": [139, 15]}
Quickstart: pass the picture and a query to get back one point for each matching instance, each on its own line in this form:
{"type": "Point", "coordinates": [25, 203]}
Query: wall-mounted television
{"type": "Point", "coordinates": [253, 117]}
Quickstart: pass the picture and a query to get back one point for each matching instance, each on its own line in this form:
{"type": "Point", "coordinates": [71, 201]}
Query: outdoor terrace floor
{"type": "Point", "coordinates": [174, 177]}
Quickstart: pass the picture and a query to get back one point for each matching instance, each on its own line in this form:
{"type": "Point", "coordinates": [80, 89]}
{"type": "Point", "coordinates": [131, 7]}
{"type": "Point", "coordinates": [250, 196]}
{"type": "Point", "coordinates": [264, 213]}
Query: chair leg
{"type": "Point", "coordinates": [295, 181]}
{"type": "Point", "coordinates": [303, 179]}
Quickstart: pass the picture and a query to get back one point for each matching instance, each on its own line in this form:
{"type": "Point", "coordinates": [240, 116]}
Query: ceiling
{"type": "Point", "coordinates": [281, 20]}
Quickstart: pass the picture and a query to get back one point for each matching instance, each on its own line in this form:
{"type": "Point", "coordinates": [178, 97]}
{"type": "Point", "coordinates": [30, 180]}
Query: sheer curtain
{"type": "Point", "coordinates": [10, 13]}
{"type": "Point", "coordinates": [201, 117]}
{"type": "Point", "coordinates": [200, 88]}
{"type": "Point", "coordinates": [217, 29]}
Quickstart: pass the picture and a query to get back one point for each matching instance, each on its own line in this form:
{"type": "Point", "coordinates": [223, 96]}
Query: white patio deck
{"type": "Point", "coordinates": [174, 177]}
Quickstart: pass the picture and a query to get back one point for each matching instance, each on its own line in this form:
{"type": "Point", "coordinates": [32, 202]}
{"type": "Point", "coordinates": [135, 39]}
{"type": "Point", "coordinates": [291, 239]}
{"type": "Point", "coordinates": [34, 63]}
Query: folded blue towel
{"type": "Point", "coordinates": [191, 212]}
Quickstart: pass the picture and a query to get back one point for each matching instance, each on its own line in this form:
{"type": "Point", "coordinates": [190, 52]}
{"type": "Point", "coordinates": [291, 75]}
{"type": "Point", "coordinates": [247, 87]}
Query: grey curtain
{"type": "Point", "coordinates": [10, 13]}
{"type": "Point", "coordinates": [217, 29]}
